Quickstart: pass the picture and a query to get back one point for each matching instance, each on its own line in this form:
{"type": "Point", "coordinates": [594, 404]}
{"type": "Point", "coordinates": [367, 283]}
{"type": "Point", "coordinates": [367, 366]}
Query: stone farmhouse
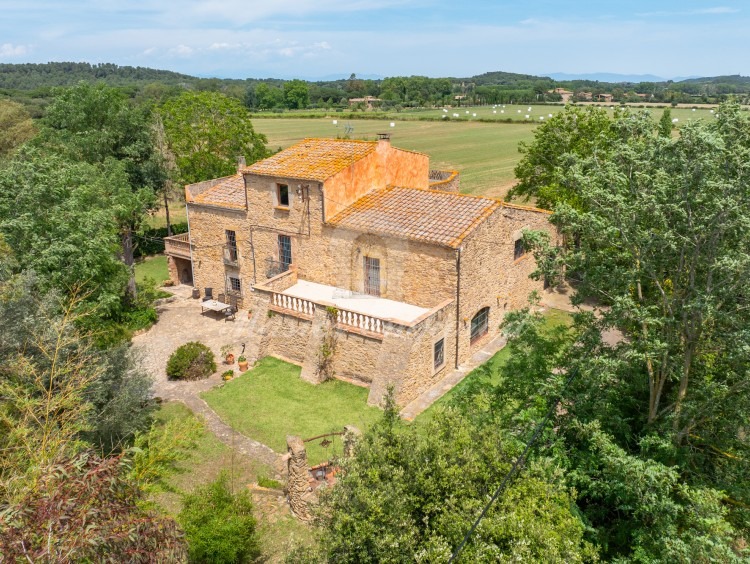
{"type": "Point", "coordinates": [357, 261]}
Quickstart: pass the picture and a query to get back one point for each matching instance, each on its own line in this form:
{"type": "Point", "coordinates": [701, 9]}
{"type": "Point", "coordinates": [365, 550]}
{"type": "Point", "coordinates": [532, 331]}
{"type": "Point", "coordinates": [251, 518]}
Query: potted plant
{"type": "Point", "coordinates": [249, 313]}
{"type": "Point", "coordinates": [227, 375]}
{"type": "Point", "coordinates": [226, 352]}
{"type": "Point", "coordinates": [242, 361]}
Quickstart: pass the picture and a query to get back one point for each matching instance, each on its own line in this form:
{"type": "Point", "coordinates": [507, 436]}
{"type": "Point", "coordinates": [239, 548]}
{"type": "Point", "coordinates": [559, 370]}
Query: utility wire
{"type": "Point", "coordinates": [517, 466]}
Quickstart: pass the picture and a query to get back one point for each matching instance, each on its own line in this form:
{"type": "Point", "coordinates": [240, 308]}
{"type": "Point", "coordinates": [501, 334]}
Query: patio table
{"type": "Point", "coordinates": [214, 305]}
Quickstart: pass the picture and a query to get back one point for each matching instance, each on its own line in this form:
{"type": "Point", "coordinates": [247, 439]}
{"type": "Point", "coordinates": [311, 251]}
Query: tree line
{"type": "Point", "coordinates": [32, 84]}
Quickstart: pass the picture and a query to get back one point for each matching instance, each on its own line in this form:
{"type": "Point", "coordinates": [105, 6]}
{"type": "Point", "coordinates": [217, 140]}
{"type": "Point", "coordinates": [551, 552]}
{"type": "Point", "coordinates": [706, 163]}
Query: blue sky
{"type": "Point", "coordinates": [316, 38]}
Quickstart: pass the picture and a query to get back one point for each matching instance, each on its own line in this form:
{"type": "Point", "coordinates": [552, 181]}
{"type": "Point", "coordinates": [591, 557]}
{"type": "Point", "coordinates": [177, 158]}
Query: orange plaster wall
{"type": "Point", "coordinates": [383, 167]}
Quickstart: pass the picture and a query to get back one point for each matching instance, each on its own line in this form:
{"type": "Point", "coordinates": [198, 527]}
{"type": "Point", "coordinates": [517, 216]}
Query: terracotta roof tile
{"type": "Point", "coordinates": [227, 194]}
{"type": "Point", "coordinates": [431, 216]}
{"type": "Point", "coordinates": [313, 159]}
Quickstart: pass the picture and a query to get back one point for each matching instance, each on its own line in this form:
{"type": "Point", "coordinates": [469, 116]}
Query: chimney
{"type": "Point", "coordinates": [241, 163]}
{"type": "Point", "coordinates": [384, 137]}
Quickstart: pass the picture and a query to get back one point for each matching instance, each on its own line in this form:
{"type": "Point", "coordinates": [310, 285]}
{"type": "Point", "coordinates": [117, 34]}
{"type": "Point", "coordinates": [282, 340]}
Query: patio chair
{"type": "Point", "coordinates": [229, 313]}
{"type": "Point", "coordinates": [208, 294]}
{"type": "Point", "coordinates": [222, 298]}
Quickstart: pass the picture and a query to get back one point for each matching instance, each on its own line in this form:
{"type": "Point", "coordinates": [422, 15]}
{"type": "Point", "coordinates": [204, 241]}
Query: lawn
{"type": "Point", "coordinates": [204, 464]}
{"type": "Point", "coordinates": [271, 401]}
{"type": "Point", "coordinates": [553, 318]}
{"type": "Point", "coordinates": [152, 267]}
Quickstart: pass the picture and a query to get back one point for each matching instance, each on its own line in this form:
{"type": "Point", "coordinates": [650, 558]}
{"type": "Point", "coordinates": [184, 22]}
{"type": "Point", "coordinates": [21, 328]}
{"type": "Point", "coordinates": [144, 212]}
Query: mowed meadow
{"type": "Point", "coordinates": [484, 152]}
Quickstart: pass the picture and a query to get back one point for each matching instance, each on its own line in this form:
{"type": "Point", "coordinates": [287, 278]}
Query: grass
{"type": "Point", "coordinates": [177, 214]}
{"type": "Point", "coordinates": [152, 267]}
{"type": "Point", "coordinates": [271, 401]}
{"type": "Point", "coordinates": [552, 318]}
{"type": "Point", "coordinates": [485, 153]}
{"type": "Point", "coordinates": [204, 464]}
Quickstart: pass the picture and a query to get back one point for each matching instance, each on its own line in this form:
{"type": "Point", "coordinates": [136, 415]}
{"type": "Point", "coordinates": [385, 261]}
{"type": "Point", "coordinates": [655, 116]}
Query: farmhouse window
{"type": "Point", "coordinates": [519, 249]}
{"type": "Point", "coordinates": [231, 245]}
{"type": "Point", "coordinates": [285, 252]}
{"type": "Point", "coordinates": [438, 353]}
{"type": "Point", "coordinates": [372, 276]}
{"type": "Point", "coordinates": [282, 195]}
{"type": "Point", "coordinates": [235, 285]}
{"type": "Point", "coordinates": [480, 324]}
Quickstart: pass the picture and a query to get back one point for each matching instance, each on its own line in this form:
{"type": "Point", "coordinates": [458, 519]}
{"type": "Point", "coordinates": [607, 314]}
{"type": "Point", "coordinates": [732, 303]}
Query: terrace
{"type": "Point", "coordinates": [356, 313]}
{"type": "Point", "coordinates": [178, 245]}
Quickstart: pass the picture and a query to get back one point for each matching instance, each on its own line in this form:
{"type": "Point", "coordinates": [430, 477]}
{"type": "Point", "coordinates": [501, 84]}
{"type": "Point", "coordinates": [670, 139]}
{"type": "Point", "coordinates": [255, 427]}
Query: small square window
{"type": "Point", "coordinates": [282, 195]}
{"type": "Point", "coordinates": [235, 285]}
{"type": "Point", "coordinates": [519, 249]}
{"type": "Point", "coordinates": [439, 353]}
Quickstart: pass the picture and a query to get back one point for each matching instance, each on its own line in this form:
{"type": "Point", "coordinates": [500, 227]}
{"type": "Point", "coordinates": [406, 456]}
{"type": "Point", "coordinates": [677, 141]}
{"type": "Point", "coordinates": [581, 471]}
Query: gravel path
{"type": "Point", "coordinates": [181, 321]}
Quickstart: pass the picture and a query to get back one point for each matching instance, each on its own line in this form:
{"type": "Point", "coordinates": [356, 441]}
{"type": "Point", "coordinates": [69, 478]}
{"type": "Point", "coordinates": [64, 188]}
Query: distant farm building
{"type": "Point", "coordinates": [368, 101]}
{"type": "Point", "coordinates": [566, 95]}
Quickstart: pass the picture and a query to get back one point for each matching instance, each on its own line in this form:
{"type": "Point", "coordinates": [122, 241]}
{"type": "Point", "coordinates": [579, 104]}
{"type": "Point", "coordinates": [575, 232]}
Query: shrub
{"type": "Point", "coordinates": [191, 361]}
{"type": "Point", "coordinates": [219, 525]}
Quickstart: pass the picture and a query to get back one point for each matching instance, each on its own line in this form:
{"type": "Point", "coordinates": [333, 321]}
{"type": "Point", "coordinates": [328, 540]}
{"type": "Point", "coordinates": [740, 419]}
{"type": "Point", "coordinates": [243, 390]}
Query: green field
{"type": "Point", "coordinates": [485, 153]}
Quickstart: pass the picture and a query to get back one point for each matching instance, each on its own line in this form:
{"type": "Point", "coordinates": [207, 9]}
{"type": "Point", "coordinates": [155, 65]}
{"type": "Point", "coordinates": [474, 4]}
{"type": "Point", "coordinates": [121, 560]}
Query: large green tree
{"type": "Point", "coordinates": [207, 131]}
{"type": "Point", "coordinates": [296, 94]}
{"type": "Point", "coordinates": [657, 238]}
{"type": "Point", "coordinates": [15, 127]}
{"type": "Point", "coordinates": [412, 492]}
{"type": "Point", "coordinates": [97, 124]}
{"type": "Point", "coordinates": [56, 216]}
{"type": "Point", "coordinates": [558, 143]}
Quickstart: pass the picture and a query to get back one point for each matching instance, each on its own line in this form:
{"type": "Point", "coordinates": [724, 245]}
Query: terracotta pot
{"type": "Point", "coordinates": [229, 359]}
{"type": "Point", "coordinates": [243, 365]}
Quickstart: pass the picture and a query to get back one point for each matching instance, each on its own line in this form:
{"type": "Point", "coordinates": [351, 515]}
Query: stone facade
{"type": "Point", "coordinates": [455, 258]}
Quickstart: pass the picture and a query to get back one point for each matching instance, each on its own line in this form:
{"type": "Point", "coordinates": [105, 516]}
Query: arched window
{"type": "Point", "coordinates": [480, 324]}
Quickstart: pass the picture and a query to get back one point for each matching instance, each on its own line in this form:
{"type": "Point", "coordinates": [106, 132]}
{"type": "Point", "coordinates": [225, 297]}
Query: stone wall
{"type": "Point", "coordinates": [405, 359]}
{"type": "Point", "coordinates": [409, 269]}
{"type": "Point", "coordinates": [445, 181]}
{"type": "Point", "coordinates": [207, 234]}
{"type": "Point", "coordinates": [491, 277]}
{"type": "Point", "coordinates": [180, 270]}
{"type": "Point", "coordinates": [402, 357]}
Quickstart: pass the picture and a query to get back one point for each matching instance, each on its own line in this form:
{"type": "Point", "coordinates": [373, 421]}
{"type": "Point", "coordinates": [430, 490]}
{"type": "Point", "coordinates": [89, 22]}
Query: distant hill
{"type": "Point", "coordinates": [608, 77]}
{"type": "Point", "coordinates": [729, 79]}
{"type": "Point", "coordinates": [28, 76]}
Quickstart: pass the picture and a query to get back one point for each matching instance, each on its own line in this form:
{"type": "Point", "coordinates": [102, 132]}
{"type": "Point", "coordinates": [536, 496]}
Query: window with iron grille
{"type": "Point", "coordinates": [519, 249]}
{"type": "Point", "coordinates": [372, 276]}
{"type": "Point", "coordinates": [231, 245]}
{"type": "Point", "coordinates": [282, 195]}
{"type": "Point", "coordinates": [235, 285]}
{"type": "Point", "coordinates": [285, 251]}
{"type": "Point", "coordinates": [438, 353]}
{"type": "Point", "coordinates": [480, 324]}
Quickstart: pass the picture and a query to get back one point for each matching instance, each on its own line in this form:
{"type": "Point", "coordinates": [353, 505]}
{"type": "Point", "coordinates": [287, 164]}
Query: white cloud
{"type": "Point", "coordinates": [8, 50]}
{"type": "Point", "coordinates": [181, 51]}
